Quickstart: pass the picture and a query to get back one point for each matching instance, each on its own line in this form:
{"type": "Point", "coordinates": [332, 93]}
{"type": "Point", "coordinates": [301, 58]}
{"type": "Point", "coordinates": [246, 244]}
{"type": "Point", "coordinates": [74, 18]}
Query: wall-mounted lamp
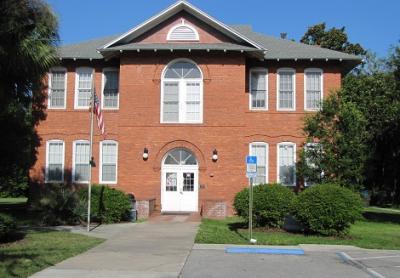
{"type": "Point", "coordinates": [215, 155]}
{"type": "Point", "coordinates": [145, 154]}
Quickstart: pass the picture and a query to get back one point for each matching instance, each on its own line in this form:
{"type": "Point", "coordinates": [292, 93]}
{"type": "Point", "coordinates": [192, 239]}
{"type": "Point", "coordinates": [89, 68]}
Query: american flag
{"type": "Point", "coordinates": [99, 114]}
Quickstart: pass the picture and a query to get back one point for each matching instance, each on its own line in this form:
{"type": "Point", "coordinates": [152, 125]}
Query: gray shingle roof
{"type": "Point", "coordinates": [275, 48]}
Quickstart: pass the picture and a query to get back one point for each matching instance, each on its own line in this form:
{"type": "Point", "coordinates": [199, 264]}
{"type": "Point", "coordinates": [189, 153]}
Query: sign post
{"type": "Point", "coordinates": [251, 173]}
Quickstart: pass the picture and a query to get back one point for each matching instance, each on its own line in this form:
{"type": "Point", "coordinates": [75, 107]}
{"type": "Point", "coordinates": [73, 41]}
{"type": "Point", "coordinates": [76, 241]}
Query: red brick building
{"type": "Point", "coordinates": [185, 98]}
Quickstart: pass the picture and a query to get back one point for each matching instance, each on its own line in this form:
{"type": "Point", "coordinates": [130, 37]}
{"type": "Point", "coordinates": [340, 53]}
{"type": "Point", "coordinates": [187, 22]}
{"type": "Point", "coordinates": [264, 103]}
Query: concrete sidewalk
{"type": "Point", "coordinates": [150, 249]}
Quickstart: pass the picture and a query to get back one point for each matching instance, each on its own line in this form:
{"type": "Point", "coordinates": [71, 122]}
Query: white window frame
{"type": "Point", "coordinates": [311, 70]}
{"type": "Point", "coordinates": [77, 71]}
{"type": "Point", "coordinates": [50, 77]}
{"type": "Point", "coordinates": [48, 142]}
{"type": "Point", "coordinates": [103, 85]}
{"type": "Point", "coordinates": [73, 161]}
{"type": "Point", "coordinates": [278, 89]}
{"type": "Point", "coordinates": [101, 181]}
{"type": "Point", "coordinates": [278, 161]}
{"type": "Point", "coordinates": [262, 70]}
{"type": "Point", "coordinates": [266, 156]}
{"type": "Point", "coordinates": [182, 98]}
{"type": "Point", "coordinates": [183, 23]}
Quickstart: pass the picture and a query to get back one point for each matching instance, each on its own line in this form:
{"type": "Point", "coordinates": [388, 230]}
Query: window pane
{"type": "Point", "coordinates": [258, 89]}
{"type": "Point", "coordinates": [286, 164]}
{"type": "Point", "coordinates": [192, 101]}
{"type": "Point", "coordinates": [81, 161]}
{"type": "Point", "coordinates": [111, 84]}
{"type": "Point", "coordinates": [313, 90]}
{"type": "Point", "coordinates": [286, 90]}
{"type": "Point", "coordinates": [109, 162]}
{"type": "Point", "coordinates": [260, 150]}
{"type": "Point", "coordinates": [171, 102]}
{"type": "Point", "coordinates": [84, 88]}
{"type": "Point", "coordinates": [182, 70]}
{"type": "Point", "coordinates": [55, 161]}
{"type": "Point", "coordinates": [57, 92]}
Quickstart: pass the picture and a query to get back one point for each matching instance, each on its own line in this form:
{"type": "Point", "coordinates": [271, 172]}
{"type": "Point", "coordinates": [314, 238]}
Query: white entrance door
{"type": "Point", "coordinates": [179, 182]}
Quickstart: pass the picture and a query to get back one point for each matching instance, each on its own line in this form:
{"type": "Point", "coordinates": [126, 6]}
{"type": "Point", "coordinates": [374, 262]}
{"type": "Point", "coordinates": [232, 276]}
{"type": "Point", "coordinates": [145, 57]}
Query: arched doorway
{"type": "Point", "coordinates": [179, 181]}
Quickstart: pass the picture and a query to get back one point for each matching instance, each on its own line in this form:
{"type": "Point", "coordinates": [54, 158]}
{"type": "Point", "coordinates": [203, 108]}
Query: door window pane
{"type": "Point", "coordinates": [188, 181]}
{"type": "Point", "coordinates": [287, 164]}
{"type": "Point", "coordinates": [171, 183]}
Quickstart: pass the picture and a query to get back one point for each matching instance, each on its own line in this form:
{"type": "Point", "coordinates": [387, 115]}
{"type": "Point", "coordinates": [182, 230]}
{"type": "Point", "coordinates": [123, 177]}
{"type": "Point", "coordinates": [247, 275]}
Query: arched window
{"type": "Point", "coordinates": [180, 157]}
{"type": "Point", "coordinates": [182, 93]}
{"type": "Point", "coordinates": [183, 32]}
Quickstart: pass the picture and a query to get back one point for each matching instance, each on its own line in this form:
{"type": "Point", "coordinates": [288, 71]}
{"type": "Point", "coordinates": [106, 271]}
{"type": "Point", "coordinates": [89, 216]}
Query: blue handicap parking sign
{"type": "Point", "coordinates": [251, 166]}
{"type": "Point", "coordinates": [251, 159]}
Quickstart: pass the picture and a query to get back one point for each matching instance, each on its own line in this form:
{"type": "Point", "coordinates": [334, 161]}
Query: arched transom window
{"type": "Point", "coordinates": [183, 32]}
{"type": "Point", "coordinates": [180, 157]}
{"type": "Point", "coordinates": [182, 93]}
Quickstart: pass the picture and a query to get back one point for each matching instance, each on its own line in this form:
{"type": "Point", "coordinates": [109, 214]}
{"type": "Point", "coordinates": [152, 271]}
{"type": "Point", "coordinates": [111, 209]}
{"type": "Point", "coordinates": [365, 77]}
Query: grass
{"type": "Point", "coordinates": [365, 234]}
{"type": "Point", "coordinates": [13, 201]}
{"type": "Point", "coordinates": [41, 249]}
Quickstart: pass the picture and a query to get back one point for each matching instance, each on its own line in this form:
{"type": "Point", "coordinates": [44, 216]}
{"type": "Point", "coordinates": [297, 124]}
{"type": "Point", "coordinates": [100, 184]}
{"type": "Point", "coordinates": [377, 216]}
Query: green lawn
{"type": "Point", "coordinates": [365, 234]}
{"type": "Point", "coordinates": [13, 201]}
{"type": "Point", "coordinates": [38, 250]}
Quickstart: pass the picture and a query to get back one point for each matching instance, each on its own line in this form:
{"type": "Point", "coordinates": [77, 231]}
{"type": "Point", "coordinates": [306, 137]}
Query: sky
{"type": "Point", "coordinates": [375, 24]}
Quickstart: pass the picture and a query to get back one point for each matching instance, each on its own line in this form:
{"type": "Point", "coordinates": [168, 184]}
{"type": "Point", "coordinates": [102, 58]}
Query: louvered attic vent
{"type": "Point", "coordinates": [182, 32]}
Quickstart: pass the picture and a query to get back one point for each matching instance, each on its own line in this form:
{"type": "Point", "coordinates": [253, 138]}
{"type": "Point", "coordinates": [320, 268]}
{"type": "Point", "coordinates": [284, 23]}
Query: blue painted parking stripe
{"type": "Point", "coordinates": [245, 250]}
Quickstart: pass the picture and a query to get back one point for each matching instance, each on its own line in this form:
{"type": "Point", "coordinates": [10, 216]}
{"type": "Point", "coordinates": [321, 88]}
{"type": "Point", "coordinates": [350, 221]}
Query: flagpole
{"type": "Point", "coordinates": [90, 155]}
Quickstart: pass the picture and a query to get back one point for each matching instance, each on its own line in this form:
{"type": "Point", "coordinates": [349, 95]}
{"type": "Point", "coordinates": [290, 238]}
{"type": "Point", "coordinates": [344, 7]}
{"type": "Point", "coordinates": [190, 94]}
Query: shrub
{"type": "Point", "coordinates": [56, 205]}
{"type": "Point", "coordinates": [108, 205]}
{"type": "Point", "coordinates": [8, 226]}
{"type": "Point", "coordinates": [271, 203]}
{"type": "Point", "coordinates": [327, 209]}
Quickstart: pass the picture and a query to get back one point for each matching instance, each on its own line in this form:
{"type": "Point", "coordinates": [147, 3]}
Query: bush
{"type": "Point", "coordinates": [271, 203]}
{"type": "Point", "coordinates": [56, 205]}
{"type": "Point", "coordinates": [108, 205]}
{"type": "Point", "coordinates": [8, 226]}
{"type": "Point", "coordinates": [327, 209]}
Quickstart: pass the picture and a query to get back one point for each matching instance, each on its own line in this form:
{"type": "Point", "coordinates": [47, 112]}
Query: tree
{"type": "Point", "coordinates": [28, 40]}
{"type": "Point", "coordinates": [359, 130]}
{"type": "Point", "coordinates": [334, 38]}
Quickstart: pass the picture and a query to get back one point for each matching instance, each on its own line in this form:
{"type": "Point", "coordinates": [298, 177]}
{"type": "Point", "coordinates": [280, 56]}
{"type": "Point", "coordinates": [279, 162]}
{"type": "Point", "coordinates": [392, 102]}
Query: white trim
{"type": "Point", "coordinates": [183, 23]}
{"type": "Point", "coordinates": [308, 70]}
{"type": "Point", "coordinates": [46, 179]}
{"type": "Point", "coordinates": [181, 96]}
{"type": "Point", "coordinates": [278, 161]}
{"type": "Point", "coordinates": [73, 160]}
{"type": "Point", "coordinates": [108, 69]}
{"type": "Point", "coordinates": [101, 163]}
{"type": "Point", "coordinates": [168, 12]}
{"type": "Point", "coordinates": [266, 156]}
{"type": "Point", "coordinates": [278, 88]}
{"type": "Point", "coordinates": [263, 70]}
{"type": "Point", "coordinates": [50, 77]}
{"type": "Point", "coordinates": [77, 71]}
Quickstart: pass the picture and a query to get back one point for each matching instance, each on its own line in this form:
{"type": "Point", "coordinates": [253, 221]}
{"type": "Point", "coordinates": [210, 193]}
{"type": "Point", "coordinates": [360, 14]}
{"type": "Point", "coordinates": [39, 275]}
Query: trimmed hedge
{"type": "Point", "coordinates": [8, 226]}
{"type": "Point", "coordinates": [327, 209]}
{"type": "Point", "coordinates": [108, 205]}
{"type": "Point", "coordinates": [271, 203]}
